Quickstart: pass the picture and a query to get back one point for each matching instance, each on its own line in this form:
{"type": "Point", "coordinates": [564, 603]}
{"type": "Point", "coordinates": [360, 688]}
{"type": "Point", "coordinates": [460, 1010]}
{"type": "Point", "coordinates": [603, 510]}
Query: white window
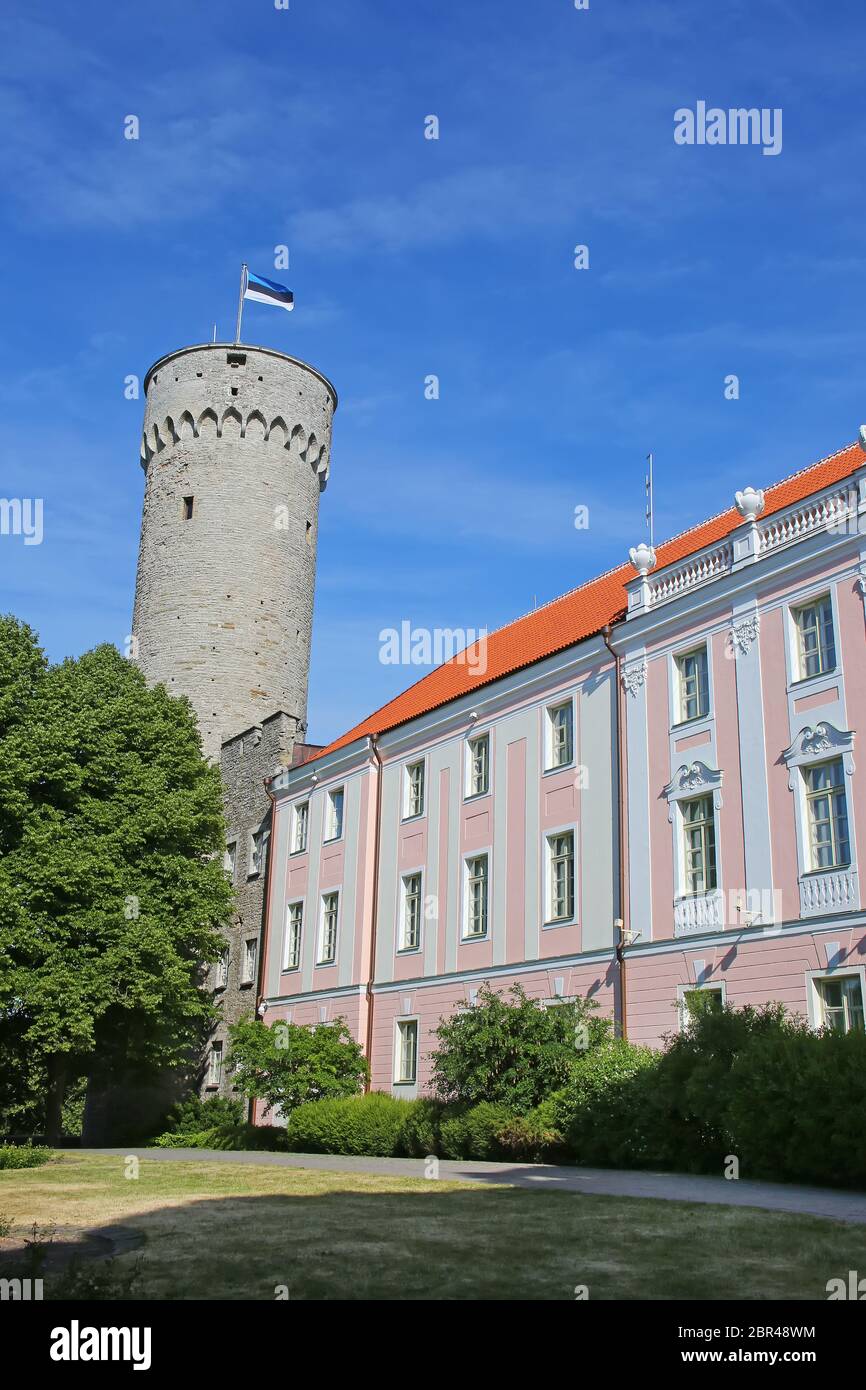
{"type": "Point", "coordinates": [334, 815]}
{"type": "Point", "coordinates": [699, 845]}
{"type": "Point", "coordinates": [413, 799]}
{"type": "Point", "coordinates": [701, 997]}
{"type": "Point", "coordinates": [406, 1058]}
{"type": "Point", "coordinates": [816, 643]}
{"type": "Point", "coordinates": [294, 927]}
{"type": "Point", "coordinates": [827, 813]}
{"type": "Point", "coordinates": [229, 859]}
{"type": "Point", "coordinates": [327, 952]}
{"type": "Point", "coordinates": [475, 918]}
{"type": "Point", "coordinates": [222, 970]}
{"type": "Point", "coordinates": [841, 1002]}
{"type": "Point", "coordinates": [694, 685]}
{"type": "Point", "coordinates": [251, 951]}
{"type": "Point", "coordinates": [560, 882]}
{"type": "Point", "coordinates": [258, 852]}
{"type": "Point", "coordinates": [560, 735]}
{"type": "Point", "coordinates": [215, 1064]}
{"type": "Point", "coordinates": [478, 765]}
{"type": "Point", "coordinates": [300, 821]}
{"type": "Point", "coordinates": [410, 917]}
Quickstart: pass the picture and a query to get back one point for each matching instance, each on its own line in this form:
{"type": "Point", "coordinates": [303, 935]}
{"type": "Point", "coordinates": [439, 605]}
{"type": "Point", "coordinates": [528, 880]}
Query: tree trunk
{"type": "Point", "coordinates": [57, 1068]}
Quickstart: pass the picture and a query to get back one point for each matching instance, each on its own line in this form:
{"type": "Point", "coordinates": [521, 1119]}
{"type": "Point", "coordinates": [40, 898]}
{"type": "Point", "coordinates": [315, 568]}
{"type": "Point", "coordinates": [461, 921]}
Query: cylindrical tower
{"type": "Point", "coordinates": [236, 448]}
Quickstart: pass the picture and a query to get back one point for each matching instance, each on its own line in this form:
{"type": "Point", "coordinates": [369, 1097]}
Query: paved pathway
{"type": "Point", "coordinates": [672, 1187]}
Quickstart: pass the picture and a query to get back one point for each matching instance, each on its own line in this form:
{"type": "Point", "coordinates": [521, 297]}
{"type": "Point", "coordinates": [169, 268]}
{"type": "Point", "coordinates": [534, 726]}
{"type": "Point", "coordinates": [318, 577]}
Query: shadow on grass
{"type": "Point", "coordinates": [329, 1236]}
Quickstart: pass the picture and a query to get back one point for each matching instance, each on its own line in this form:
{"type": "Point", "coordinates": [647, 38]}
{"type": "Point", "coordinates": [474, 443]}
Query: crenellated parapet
{"type": "Point", "coordinates": [231, 424]}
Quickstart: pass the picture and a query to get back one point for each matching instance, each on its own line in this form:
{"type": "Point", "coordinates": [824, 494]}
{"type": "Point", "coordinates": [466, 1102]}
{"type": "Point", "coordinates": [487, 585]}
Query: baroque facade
{"type": "Point", "coordinates": [647, 788]}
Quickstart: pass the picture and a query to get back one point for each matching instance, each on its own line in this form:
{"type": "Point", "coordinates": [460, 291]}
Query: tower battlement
{"type": "Point", "coordinates": [236, 451]}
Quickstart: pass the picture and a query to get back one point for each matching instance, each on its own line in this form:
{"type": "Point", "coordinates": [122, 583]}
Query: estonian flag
{"type": "Point", "coordinates": [268, 291]}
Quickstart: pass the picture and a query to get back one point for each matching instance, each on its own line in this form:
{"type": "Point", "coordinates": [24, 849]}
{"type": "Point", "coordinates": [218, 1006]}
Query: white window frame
{"type": "Point", "coordinates": [715, 986]}
{"type": "Point", "coordinates": [230, 859]}
{"type": "Point", "coordinates": [798, 671]}
{"type": "Point", "coordinates": [686, 890]}
{"type": "Point", "coordinates": [408, 768]}
{"type": "Point", "coordinates": [548, 920]}
{"type": "Point", "coordinates": [812, 745]}
{"type": "Point", "coordinates": [550, 711]}
{"type": "Point", "coordinates": [257, 856]}
{"type": "Point", "coordinates": [690, 781]}
{"type": "Point", "coordinates": [469, 858]}
{"type": "Point", "coordinates": [214, 1065]}
{"type": "Point", "coordinates": [297, 821]}
{"type": "Point", "coordinates": [399, 1025]}
{"type": "Point", "coordinates": [679, 658]}
{"type": "Point", "coordinates": [832, 794]}
{"type": "Point", "coordinates": [402, 948]}
{"type": "Point", "coordinates": [287, 967]}
{"type": "Point", "coordinates": [335, 823]}
{"type": "Point", "coordinates": [321, 962]}
{"type": "Point", "coordinates": [470, 792]}
{"type": "Point", "coordinates": [222, 969]}
{"type": "Point", "coordinates": [249, 961]}
{"type": "Point", "coordinates": [814, 979]}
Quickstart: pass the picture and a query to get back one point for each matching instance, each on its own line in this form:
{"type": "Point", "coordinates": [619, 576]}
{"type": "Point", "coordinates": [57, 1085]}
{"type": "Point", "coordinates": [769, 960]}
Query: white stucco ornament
{"type": "Point", "coordinates": [863, 438]}
{"type": "Point", "coordinates": [750, 503]}
{"type": "Point", "coordinates": [643, 557]}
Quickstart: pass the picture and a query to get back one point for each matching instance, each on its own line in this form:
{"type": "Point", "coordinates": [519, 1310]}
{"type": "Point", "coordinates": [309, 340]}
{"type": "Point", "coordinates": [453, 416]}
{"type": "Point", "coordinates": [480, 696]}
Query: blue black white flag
{"type": "Point", "coordinates": [267, 291]}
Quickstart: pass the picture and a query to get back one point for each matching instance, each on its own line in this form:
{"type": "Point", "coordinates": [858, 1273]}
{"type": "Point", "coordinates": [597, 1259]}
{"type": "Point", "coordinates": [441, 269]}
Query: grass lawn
{"type": "Point", "coordinates": [236, 1232]}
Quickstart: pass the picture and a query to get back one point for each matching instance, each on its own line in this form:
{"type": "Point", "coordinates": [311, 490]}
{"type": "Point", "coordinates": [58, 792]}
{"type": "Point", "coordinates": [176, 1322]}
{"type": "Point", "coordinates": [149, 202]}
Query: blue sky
{"type": "Point", "coordinates": [411, 257]}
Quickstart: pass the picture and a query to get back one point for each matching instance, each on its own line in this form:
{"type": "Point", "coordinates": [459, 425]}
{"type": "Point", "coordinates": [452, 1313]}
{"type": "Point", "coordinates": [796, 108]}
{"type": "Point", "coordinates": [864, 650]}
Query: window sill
{"type": "Point", "coordinates": [563, 767]}
{"type": "Point", "coordinates": [296, 853]}
{"type": "Point", "coordinates": [407, 820]}
{"type": "Point", "coordinates": [408, 951]}
{"type": "Point", "coordinates": [807, 683]}
{"type": "Point", "coordinates": [325, 964]}
{"type": "Point", "coordinates": [332, 840]}
{"type": "Point", "coordinates": [559, 922]}
{"type": "Point", "coordinates": [468, 940]}
{"type": "Point", "coordinates": [699, 719]}
{"type": "Point", "coordinates": [475, 796]}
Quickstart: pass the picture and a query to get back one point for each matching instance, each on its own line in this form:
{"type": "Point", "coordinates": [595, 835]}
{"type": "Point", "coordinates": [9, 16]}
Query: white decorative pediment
{"type": "Point", "coordinates": [814, 745]}
{"type": "Point", "coordinates": [633, 677]}
{"type": "Point", "coordinates": [693, 779]}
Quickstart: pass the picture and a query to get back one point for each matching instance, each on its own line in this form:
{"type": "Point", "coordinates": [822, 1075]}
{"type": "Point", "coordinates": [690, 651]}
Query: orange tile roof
{"type": "Point", "coordinates": [584, 611]}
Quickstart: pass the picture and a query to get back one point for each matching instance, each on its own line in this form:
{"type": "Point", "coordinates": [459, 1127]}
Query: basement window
{"type": "Point", "coordinates": [187, 508]}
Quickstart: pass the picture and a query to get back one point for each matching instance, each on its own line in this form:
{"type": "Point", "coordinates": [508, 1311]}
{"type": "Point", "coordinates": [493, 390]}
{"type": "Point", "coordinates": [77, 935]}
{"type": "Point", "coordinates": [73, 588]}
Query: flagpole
{"type": "Point", "coordinates": [649, 499]}
{"type": "Point", "coordinates": [241, 301]}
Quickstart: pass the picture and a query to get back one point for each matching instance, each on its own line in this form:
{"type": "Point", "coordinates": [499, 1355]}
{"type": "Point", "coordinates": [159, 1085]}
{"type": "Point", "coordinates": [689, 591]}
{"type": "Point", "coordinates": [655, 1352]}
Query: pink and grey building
{"type": "Point", "coordinates": [648, 787]}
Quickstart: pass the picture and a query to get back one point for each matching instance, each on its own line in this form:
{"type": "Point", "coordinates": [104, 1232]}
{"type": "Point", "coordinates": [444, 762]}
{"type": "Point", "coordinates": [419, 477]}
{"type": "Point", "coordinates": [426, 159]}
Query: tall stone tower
{"type": "Point", "coordinates": [235, 448]}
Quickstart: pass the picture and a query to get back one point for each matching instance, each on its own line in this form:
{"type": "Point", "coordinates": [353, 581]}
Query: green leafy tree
{"type": "Point", "coordinates": [288, 1064]}
{"type": "Point", "coordinates": [512, 1052]}
{"type": "Point", "coordinates": [111, 888]}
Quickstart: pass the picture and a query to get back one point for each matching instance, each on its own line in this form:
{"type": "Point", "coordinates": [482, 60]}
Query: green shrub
{"type": "Point", "coordinates": [193, 1115]}
{"type": "Point", "coordinates": [473, 1133]}
{"type": "Point", "coordinates": [797, 1109]}
{"type": "Point", "coordinates": [600, 1113]}
{"type": "Point", "coordinates": [370, 1124]}
{"type": "Point", "coordinates": [23, 1156]}
{"type": "Point", "coordinates": [512, 1051]}
{"type": "Point", "coordinates": [419, 1135]}
{"type": "Point", "coordinates": [533, 1138]}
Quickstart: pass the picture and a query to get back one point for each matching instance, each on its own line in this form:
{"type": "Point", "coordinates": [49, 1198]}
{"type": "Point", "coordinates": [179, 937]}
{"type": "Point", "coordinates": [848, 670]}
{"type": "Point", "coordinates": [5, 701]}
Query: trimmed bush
{"type": "Point", "coordinates": [419, 1135]}
{"type": "Point", "coordinates": [23, 1156]}
{"type": "Point", "coordinates": [797, 1109]}
{"type": "Point", "coordinates": [474, 1133]}
{"type": "Point", "coordinates": [371, 1124]}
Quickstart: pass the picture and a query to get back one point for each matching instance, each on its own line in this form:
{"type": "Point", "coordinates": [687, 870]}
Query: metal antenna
{"type": "Point", "coordinates": [649, 500]}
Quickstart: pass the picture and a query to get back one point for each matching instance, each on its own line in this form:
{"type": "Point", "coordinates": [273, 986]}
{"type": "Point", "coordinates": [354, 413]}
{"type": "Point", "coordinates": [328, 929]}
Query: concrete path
{"type": "Point", "coordinates": [670, 1187]}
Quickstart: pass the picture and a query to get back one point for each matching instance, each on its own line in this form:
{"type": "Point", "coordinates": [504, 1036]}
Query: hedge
{"type": "Point", "coordinates": [370, 1124]}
